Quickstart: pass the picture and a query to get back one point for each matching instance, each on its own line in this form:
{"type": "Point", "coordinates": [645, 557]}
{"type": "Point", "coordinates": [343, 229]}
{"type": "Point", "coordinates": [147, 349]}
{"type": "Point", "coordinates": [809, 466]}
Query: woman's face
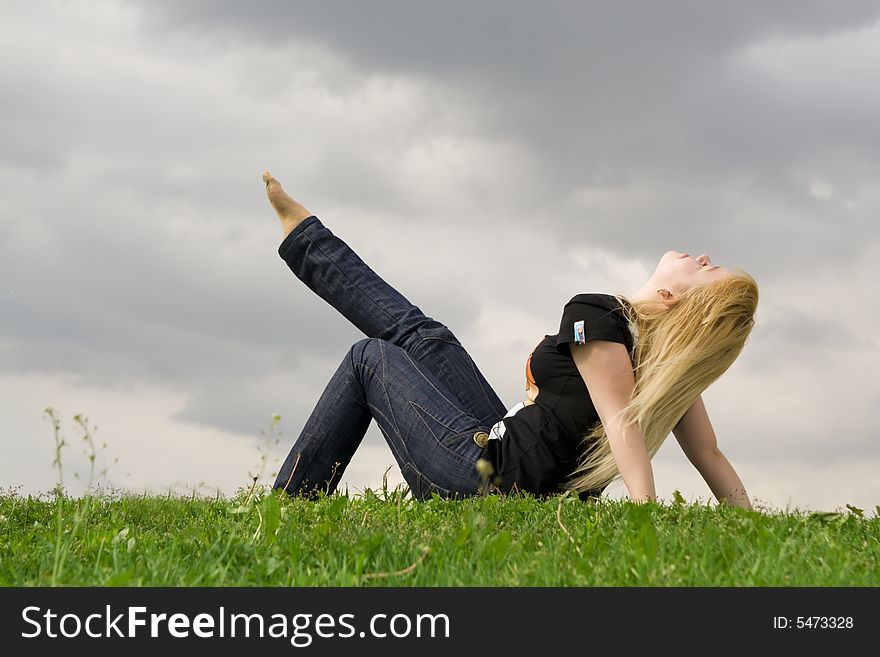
{"type": "Point", "coordinates": [679, 272]}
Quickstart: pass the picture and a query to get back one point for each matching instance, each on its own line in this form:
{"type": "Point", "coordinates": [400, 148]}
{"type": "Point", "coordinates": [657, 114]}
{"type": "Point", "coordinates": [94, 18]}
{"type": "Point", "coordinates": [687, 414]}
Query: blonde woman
{"type": "Point", "coordinates": [601, 394]}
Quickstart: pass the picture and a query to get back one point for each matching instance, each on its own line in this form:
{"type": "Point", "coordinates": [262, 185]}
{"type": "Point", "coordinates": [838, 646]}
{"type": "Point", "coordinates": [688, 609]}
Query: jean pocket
{"type": "Point", "coordinates": [462, 438]}
{"type": "Point", "coordinates": [442, 428]}
{"type": "Point", "coordinates": [467, 447]}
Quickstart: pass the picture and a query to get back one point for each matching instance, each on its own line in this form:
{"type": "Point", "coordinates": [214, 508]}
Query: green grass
{"type": "Point", "coordinates": [383, 538]}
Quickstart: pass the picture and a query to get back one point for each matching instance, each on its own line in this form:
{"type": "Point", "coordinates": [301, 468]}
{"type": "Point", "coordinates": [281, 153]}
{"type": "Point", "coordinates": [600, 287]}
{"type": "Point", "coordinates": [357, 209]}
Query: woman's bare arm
{"type": "Point", "coordinates": [606, 369]}
{"type": "Point", "coordinates": [696, 437]}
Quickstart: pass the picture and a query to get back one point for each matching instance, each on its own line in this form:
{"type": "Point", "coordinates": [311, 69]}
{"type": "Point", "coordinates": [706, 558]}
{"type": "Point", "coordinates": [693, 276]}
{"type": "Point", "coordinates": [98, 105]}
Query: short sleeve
{"type": "Point", "coordinates": [583, 321]}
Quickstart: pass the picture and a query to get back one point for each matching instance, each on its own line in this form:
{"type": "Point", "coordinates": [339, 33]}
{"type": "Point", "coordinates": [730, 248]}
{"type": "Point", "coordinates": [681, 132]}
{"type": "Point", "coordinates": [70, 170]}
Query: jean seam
{"type": "Point", "coordinates": [336, 398]}
{"type": "Point", "coordinates": [422, 477]}
{"type": "Point", "coordinates": [423, 340]}
{"type": "Point", "coordinates": [427, 426]}
{"type": "Point", "coordinates": [455, 403]}
{"type": "Point", "coordinates": [440, 442]}
{"type": "Point", "coordinates": [405, 459]}
{"type": "Point", "coordinates": [471, 363]}
{"type": "Point", "coordinates": [454, 437]}
{"type": "Point", "coordinates": [398, 448]}
{"type": "Point", "coordinates": [461, 459]}
{"type": "Point", "coordinates": [384, 379]}
{"type": "Point", "coordinates": [395, 426]}
{"type": "Point", "coordinates": [441, 422]}
{"type": "Point", "coordinates": [454, 342]}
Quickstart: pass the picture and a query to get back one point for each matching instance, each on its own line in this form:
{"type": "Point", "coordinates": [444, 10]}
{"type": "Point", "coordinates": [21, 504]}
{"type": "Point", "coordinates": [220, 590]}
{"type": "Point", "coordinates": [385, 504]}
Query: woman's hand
{"type": "Point", "coordinates": [723, 480]}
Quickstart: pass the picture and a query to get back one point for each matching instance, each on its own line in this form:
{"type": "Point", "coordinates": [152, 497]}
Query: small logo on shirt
{"type": "Point", "coordinates": [579, 332]}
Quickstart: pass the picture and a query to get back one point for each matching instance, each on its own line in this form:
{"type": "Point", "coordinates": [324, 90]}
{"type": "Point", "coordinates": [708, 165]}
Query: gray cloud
{"type": "Point", "coordinates": [793, 326]}
{"type": "Point", "coordinates": [619, 95]}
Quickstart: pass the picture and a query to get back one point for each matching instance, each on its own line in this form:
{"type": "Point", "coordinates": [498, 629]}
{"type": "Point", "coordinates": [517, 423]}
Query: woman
{"type": "Point", "coordinates": [601, 395]}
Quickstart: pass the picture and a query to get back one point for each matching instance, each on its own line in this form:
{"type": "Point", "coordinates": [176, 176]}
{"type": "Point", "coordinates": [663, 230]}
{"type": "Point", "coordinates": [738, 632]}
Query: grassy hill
{"type": "Point", "coordinates": [383, 538]}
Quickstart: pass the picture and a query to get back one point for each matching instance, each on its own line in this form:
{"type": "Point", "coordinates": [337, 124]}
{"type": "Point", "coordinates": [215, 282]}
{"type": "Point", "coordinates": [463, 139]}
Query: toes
{"type": "Point", "coordinates": [267, 178]}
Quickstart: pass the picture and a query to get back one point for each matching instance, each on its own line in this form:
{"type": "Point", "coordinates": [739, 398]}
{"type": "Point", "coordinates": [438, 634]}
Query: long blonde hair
{"type": "Point", "coordinates": [680, 349]}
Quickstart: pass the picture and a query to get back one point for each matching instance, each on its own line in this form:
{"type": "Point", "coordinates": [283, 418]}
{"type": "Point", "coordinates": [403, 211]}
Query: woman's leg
{"type": "Point", "coordinates": [330, 268]}
{"type": "Point", "coordinates": [430, 434]}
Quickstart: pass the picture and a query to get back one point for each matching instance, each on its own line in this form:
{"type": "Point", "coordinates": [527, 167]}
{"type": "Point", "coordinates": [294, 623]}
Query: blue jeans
{"type": "Point", "coordinates": [411, 375]}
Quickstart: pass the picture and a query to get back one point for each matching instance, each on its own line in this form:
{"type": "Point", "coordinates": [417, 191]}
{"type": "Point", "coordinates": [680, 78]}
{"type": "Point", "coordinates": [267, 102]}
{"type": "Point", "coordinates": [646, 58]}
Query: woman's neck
{"type": "Point", "coordinates": [648, 293]}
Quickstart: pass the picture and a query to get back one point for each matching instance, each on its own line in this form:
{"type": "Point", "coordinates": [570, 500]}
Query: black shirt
{"type": "Point", "coordinates": [541, 445]}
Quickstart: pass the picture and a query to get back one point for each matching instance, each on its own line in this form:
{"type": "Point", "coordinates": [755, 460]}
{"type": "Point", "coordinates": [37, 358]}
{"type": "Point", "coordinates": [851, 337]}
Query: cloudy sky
{"type": "Point", "coordinates": [490, 159]}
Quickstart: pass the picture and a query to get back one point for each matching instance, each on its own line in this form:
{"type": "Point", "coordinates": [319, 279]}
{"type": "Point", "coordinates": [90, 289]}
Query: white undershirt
{"type": "Point", "coordinates": [498, 429]}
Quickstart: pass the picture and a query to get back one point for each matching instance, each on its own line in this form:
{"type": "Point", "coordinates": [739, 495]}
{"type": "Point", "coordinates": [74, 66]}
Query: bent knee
{"type": "Point", "coordinates": [368, 350]}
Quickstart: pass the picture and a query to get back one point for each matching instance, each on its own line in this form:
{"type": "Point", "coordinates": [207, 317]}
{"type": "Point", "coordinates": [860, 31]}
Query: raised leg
{"type": "Point", "coordinates": [331, 269]}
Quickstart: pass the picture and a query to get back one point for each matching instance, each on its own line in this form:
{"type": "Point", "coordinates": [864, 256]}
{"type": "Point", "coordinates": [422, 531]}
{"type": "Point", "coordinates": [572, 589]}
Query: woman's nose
{"type": "Point", "coordinates": [703, 259]}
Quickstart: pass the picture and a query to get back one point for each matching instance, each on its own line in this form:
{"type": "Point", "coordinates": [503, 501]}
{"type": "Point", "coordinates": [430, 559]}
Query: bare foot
{"type": "Point", "coordinates": [289, 211]}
